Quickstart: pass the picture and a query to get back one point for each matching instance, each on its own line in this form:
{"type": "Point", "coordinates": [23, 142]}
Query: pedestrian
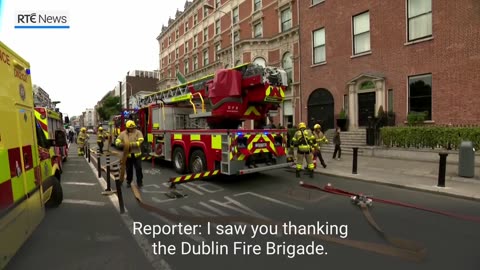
{"type": "Point", "coordinates": [337, 142]}
{"type": "Point", "coordinates": [305, 142]}
{"type": "Point", "coordinates": [320, 139]}
{"type": "Point", "coordinates": [71, 135]}
{"type": "Point", "coordinates": [134, 138]}
{"type": "Point", "coordinates": [82, 139]}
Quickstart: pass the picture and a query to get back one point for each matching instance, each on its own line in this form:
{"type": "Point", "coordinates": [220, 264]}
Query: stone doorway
{"type": "Point", "coordinates": [321, 109]}
{"type": "Point", "coordinates": [366, 108]}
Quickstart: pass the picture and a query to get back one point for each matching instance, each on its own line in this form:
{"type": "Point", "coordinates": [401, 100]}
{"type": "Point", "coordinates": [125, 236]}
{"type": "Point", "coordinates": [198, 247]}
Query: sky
{"type": "Point", "coordinates": [106, 39]}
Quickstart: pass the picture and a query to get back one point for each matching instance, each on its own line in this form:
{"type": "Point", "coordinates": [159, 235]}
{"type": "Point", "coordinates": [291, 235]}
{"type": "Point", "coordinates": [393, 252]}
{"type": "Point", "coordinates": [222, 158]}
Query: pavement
{"type": "Point", "coordinates": [418, 175]}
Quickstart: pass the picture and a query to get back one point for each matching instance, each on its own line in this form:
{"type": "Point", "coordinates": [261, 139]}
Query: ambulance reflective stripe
{"type": "Point", "coordinates": [194, 176]}
{"type": "Point", "coordinates": [12, 185]}
{"type": "Point", "coordinates": [251, 110]}
{"type": "Point", "coordinates": [43, 123]}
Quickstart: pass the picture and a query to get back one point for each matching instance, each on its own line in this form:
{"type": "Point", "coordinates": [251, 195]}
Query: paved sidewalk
{"type": "Point", "coordinates": [403, 173]}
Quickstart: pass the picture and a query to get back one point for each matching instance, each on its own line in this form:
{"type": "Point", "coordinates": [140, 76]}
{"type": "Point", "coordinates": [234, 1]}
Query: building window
{"type": "Point", "coordinates": [176, 53]}
{"type": "Point", "coordinates": [217, 27]}
{"type": "Point", "coordinates": [287, 64]}
{"type": "Point", "coordinates": [195, 19]}
{"type": "Point", "coordinates": [186, 26]}
{"type": "Point", "coordinates": [218, 3]}
{"type": "Point", "coordinates": [177, 33]}
{"type": "Point", "coordinates": [345, 103]}
{"type": "Point", "coordinates": [257, 5]}
{"type": "Point", "coordinates": [195, 40]}
{"type": "Point", "coordinates": [236, 37]}
{"type": "Point", "coordinates": [260, 61]}
{"type": "Point", "coordinates": [257, 30]}
{"type": "Point", "coordinates": [286, 19]}
{"type": "Point", "coordinates": [235, 15]}
{"type": "Point", "coordinates": [217, 51]}
{"type": "Point", "coordinates": [319, 55]}
{"type": "Point", "coordinates": [169, 40]}
{"type": "Point", "coordinates": [419, 19]}
{"type": "Point", "coordinates": [186, 47]}
{"type": "Point", "coordinates": [195, 63]}
{"type": "Point", "coordinates": [205, 58]}
{"type": "Point", "coordinates": [390, 100]}
{"type": "Point", "coordinates": [205, 34]}
{"type": "Point", "coordinates": [205, 12]}
{"type": "Point", "coordinates": [314, 2]}
{"type": "Point", "coordinates": [169, 58]}
{"type": "Point", "coordinates": [185, 66]}
{"type": "Point", "coordinates": [177, 70]}
{"type": "Point", "coordinates": [361, 33]}
{"type": "Point", "coordinates": [420, 94]}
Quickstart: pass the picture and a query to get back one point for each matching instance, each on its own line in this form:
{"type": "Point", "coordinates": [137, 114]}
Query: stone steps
{"type": "Point", "coordinates": [349, 139]}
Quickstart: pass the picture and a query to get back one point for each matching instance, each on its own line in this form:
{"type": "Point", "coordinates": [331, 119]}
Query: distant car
{"type": "Point", "coordinates": [90, 131]}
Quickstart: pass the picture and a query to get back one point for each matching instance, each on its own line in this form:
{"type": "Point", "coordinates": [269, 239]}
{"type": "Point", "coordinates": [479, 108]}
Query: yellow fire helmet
{"type": "Point", "coordinates": [302, 125]}
{"type": "Point", "coordinates": [317, 126]}
{"type": "Point", "coordinates": [83, 129]}
{"type": "Point", "coordinates": [100, 129]}
{"type": "Point", "coordinates": [130, 124]}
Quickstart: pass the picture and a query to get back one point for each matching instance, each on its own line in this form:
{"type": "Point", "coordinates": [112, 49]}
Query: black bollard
{"type": "Point", "coordinates": [355, 157]}
{"type": "Point", "coordinates": [118, 185]}
{"type": "Point", "coordinates": [109, 188]}
{"type": "Point", "coordinates": [88, 151]}
{"type": "Point", "coordinates": [441, 169]}
{"type": "Point", "coordinates": [99, 164]}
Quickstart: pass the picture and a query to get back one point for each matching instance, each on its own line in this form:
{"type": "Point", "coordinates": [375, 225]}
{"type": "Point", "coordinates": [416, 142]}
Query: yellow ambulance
{"type": "Point", "coordinates": [29, 177]}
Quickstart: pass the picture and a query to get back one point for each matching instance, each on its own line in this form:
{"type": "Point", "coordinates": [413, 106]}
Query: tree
{"type": "Point", "coordinates": [110, 106]}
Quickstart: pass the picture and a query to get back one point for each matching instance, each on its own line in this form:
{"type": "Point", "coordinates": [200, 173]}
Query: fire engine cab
{"type": "Point", "coordinates": [29, 176]}
{"type": "Point", "coordinates": [197, 125]}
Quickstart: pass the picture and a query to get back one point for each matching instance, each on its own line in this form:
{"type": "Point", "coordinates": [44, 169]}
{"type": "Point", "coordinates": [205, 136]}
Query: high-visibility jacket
{"type": "Point", "coordinates": [102, 136]}
{"type": "Point", "coordinates": [320, 138]}
{"type": "Point", "coordinates": [134, 138]}
{"type": "Point", "coordinates": [82, 138]}
{"type": "Point", "coordinates": [304, 140]}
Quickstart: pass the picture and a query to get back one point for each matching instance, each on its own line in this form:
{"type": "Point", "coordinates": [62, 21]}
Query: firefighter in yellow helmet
{"type": "Point", "coordinates": [101, 137]}
{"type": "Point", "coordinates": [82, 139]}
{"type": "Point", "coordinates": [320, 139]}
{"type": "Point", "coordinates": [305, 143]}
{"type": "Point", "coordinates": [134, 137]}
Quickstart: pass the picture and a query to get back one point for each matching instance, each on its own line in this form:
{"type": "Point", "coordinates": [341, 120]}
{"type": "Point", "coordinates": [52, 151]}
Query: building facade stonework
{"type": "Point", "coordinates": [406, 56]}
{"type": "Point", "coordinates": [198, 41]}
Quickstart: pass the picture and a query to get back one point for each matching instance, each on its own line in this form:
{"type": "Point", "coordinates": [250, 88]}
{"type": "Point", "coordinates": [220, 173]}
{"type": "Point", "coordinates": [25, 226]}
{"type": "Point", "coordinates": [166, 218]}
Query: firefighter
{"type": "Point", "coordinates": [305, 142]}
{"type": "Point", "coordinates": [320, 139]}
{"type": "Point", "coordinates": [134, 137]}
{"type": "Point", "coordinates": [82, 138]}
{"type": "Point", "coordinates": [101, 136]}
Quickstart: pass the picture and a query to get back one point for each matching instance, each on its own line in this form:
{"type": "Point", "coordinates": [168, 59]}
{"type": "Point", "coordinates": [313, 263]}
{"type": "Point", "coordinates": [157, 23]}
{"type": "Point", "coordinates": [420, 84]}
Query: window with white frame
{"type": "Point", "coordinates": [177, 70]}
{"type": "Point", "coordinates": [218, 47]}
{"type": "Point", "coordinates": [260, 61]}
{"type": "Point", "coordinates": [218, 3]}
{"type": "Point", "coordinates": [205, 58]}
{"type": "Point", "coordinates": [169, 58]}
{"type": "Point", "coordinates": [235, 15]}
{"type": "Point", "coordinates": [287, 65]}
{"type": "Point", "coordinates": [419, 14]}
{"type": "Point", "coordinates": [319, 54]}
{"type": "Point", "coordinates": [314, 2]}
{"type": "Point", "coordinates": [361, 33]}
{"type": "Point", "coordinates": [185, 66]}
{"type": "Point", "coordinates": [186, 26]}
{"type": "Point", "coordinates": [195, 19]}
{"type": "Point", "coordinates": [195, 63]}
{"type": "Point", "coordinates": [176, 53]}
{"type": "Point", "coordinates": [186, 47]}
{"type": "Point", "coordinates": [205, 12]}
{"type": "Point", "coordinates": [169, 40]}
{"type": "Point", "coordinates": [257, 30]}
{"type": "Point", "coordinates": [257, 5]}
{"type": "Point", "coordinates": [236, 37]}
{"type": "Point", "coordinates": [195, 41]}
{"type": "Point", "coordinates": [217, 27]}
{"type": "Point", "coordinates": [286, 19]}
{"type": "Point", "coordinates": [177, 33]}
{"type": "Point", "coordinates": [420, 94]}
{"type": "Point", "coordinates": [205, 34]}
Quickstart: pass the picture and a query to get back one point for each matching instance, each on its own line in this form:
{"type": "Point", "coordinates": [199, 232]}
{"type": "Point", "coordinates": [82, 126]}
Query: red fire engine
{"type": "Point", "coordinates": [196, 125]}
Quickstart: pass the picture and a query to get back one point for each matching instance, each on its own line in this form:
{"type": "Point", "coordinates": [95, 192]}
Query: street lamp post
{"type": "Point", "coordinates": [208, 6]}
{"type": "Point", "coordinates": [126, 94]}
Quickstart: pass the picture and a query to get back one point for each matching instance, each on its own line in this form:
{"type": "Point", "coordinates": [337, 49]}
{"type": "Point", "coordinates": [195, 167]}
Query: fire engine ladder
{"type": "Point", "coordinates": [225, 163]}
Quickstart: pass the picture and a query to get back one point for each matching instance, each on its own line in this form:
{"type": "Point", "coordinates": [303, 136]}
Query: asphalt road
{"type": "Point", "coordinates": [275, 196]}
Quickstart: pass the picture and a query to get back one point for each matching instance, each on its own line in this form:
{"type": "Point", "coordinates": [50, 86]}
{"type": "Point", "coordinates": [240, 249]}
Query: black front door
{"type": "Point", "coordinates": [366, 108]}
{"type": "Point", "coordinates": [321, 109]}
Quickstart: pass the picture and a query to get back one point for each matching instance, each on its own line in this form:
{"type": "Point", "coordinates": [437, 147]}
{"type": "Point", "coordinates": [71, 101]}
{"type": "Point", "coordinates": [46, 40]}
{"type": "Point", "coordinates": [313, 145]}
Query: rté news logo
{"type": "Point", "coordinates": [45, 20]}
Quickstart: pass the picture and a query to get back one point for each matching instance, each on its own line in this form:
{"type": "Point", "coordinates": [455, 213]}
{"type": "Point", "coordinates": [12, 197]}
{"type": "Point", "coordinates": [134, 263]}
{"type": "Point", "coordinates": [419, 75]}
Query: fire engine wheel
{"type": "Point", "coordinates": [179, 160]}
{"type": "Point", "coordinates": [56, 197]}
{"type": "Point", "coordinates": [198, 162]}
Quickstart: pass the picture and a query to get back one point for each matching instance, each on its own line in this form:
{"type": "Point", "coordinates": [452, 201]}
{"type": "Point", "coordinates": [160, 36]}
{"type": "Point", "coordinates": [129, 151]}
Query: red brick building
{"type": "Point", "coordinates": [404, 55]}
{"type": "Point", "coordinates": [199, 41]}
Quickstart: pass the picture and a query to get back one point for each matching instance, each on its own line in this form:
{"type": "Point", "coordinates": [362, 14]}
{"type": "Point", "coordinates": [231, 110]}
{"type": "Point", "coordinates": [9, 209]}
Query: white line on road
{"type": "Point", "coordinates": [269, 199]}
{"type": "Point", "coordinates": [79, 183]}
{"type": "Point", "coordinates": [85, 202]}
{"type": "Point", "coordinates": [157, 261]}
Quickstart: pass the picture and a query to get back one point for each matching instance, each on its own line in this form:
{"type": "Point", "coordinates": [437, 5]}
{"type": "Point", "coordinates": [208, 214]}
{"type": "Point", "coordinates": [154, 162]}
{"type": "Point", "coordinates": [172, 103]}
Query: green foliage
{"type": "Point", "coordinates": [342, 115]}
{"type": "Point", "coordinates": [429, 137]}
{"type": "Point", "coordinates": [416, 118]}
{"type": "Point", "coordinates": [111, 106]}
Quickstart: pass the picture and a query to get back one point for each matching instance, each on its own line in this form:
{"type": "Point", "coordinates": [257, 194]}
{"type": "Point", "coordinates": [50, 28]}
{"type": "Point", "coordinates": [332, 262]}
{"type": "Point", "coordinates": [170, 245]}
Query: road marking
{"type": "Point", "coordinates": [157, 261]}
{"type": "Point", "coordinates": [269, 199]}
{"type": "Point", "coordinates": [79, 183]}
{"type": "Point", "coordinates": [194, 237]}
{"type": "Point", "coordinates": [238, 207]}
{"type": "Point", "coordinates": [85, 202]}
